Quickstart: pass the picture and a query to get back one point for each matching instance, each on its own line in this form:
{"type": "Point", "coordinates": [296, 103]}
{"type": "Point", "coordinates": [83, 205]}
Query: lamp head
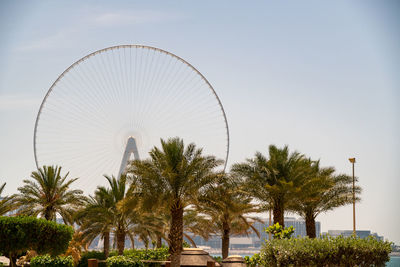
{"type": "Point", "coordinates": [352, 160]}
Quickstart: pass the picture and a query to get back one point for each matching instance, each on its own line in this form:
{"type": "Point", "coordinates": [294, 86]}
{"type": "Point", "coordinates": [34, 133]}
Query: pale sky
{"type": "Point", "coordinates": [321, 77]}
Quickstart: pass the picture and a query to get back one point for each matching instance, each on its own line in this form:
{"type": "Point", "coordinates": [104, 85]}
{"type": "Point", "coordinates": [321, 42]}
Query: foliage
{"type": "Point", "coordinates": [6, 203]}
{"type": "Point", "coordinates": [75, 247]}
{"type": "Point", "coordinates": [159, 254]}
{"type": "Point", "coordinates": [321, 191]}
{"type": "Point", "coordinates": [24, 233]}
{"type": "Point", "coordinates": [253, 261]}
{"type": "Point", "coordinates": [48, 261]}
{"type": "Point", "coordinates": [123, 261]}
{"type": "Point", "coordinates": [48, 194]}
{"type": "Point", "coordinates": [325, 251]}
{"type": "Point", "coordinates": [280, 232]}
{"type": "Point", "coordinates": [97, 218]}
{"type": "Point", "coordinates": [217, 259]}
{"type": "Point", "coordinates": [172, 178]}
{"type": "Point", "coordinates": [185, 244]}
{"type": "Point", "coordinates": [83, 262]}
{"type": "Point", "coordinates": [228, 209]}
{"type": "Point", "coordinates": [274, 180]}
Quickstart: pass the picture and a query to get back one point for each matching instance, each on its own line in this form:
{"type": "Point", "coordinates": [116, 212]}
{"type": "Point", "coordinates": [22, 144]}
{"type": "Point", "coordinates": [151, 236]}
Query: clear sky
{"type": "Point", "coordinates": [322, 77]}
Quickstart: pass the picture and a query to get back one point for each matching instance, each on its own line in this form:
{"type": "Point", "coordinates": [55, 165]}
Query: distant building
{"type": "Point", "coordinates": [348, 233]}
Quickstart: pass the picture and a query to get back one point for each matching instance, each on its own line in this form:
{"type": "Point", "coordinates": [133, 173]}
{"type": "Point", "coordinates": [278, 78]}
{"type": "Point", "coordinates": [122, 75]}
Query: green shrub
{"type": "Point", "coordinates": [83, 262]}
{"type": "Point", "coordinates": [159, 254]}
{"type": "Point", "coordinates": [28, 233]}
{"type": "Point", "coordinates": [217, 259]}
{"type": "Point", "coordinates": [253, 261]}
{"type": "Point", "coordinates": [280, 232]}
{"type": "Point", "coordinates": [48, 261]}
{"type": "Point", "coordinates": [123, 261]}
{"type": "Point", "coordinates": [326, 251]}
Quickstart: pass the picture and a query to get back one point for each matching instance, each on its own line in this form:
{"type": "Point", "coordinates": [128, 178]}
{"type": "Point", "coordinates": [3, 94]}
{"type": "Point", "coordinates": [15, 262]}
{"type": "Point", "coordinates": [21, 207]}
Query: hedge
{"type": "Point", "coordinates": [48, 261]}
{"type": "Point", "coordinates": [326, 251]}
{"type": "Point", "coordinates": [19, 234]}
{"type": "Point", "coordinates": [123, 261]}
{"type": "Point", "coordinates": [159, 254]}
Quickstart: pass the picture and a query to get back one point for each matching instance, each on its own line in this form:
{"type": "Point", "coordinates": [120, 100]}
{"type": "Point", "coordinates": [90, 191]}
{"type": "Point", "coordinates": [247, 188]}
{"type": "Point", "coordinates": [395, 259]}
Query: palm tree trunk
{"type": "Point", "coordinates": [175, 235]}
{"type": "Point", "coordinates": [278, 212]}
{"type": "Point", "coordinates": [310, 225]}
{"type": "Point", "coordinates": [47, 213]}
{"type": "Point", "coordinates": [132, 239]}
{"type": "Point", "coordinates": [159, 241]}
{"type": "Point", "coordinates": [120, 241]}
{"type": "Point", "coordinates": [13, 260]}
{"type": "Point", "coordinates": [106, 248]}
{"type": "Point", "coordinates": [225, 240]}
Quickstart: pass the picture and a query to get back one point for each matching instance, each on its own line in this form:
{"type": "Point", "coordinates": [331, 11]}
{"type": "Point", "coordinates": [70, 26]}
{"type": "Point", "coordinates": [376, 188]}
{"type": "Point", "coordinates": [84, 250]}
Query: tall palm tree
{"type": "Point", "coordinates": [228, 209]}
{"type": "Point", "coordinates": [321, 191]}
{"type": "Point", "coordinates": [173, 176]}
{"type": "Point", "coordinates": [49, 194]}
{"type": "Point", "coordinates": [6, 203]}
{"type": "Point", "coordinates": [273, 180]}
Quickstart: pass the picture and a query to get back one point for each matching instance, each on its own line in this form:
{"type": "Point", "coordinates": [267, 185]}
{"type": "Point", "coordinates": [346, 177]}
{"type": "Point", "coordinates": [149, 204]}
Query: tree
{"type": "Point", "coordinates": [49, 194]}
{"type": "Point", "coordinates": [115, 195]}
{"type": "Point", "coordinates": [19, 234]}
{"type": "Point", "coordinates": [227, 208]}
{"type": "Point", "coordinates": [277, 178]}
{"type": "Point", "coordinates": [173, 176]}
{"type": "Point", "coordinates": [321, 191]}
{"type": "Point", "coordinates": [96, 218]}
{"type": "Point", "coordinates": [6, 203]}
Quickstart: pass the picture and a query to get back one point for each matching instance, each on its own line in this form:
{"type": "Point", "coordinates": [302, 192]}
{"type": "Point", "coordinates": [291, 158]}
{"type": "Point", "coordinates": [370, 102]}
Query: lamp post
{"type": "Point", "coordinates": [353, 160]}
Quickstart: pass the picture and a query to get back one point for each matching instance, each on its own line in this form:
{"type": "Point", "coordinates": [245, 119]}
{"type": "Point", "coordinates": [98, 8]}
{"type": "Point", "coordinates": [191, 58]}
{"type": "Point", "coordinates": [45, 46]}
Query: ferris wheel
{"type": "Point", "coordinates": [115, 104]}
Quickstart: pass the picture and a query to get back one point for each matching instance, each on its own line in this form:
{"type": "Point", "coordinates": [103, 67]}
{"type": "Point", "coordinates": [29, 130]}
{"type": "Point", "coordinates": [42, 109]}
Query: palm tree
{"type": "Point", "coordinates": [273, 180]}
{"type": "Point", "coordinates": [96, 219]}
{"type": "Point", "coordinates": [173, 176]}
{"type": "Point", "coordinates": [48, 194]}
{"type": "Point", "coordinates": [6, 203]}
{"type": "Point", "coordinates": [227, 207]}
{"type": "Point", "coordinates": [321, 191]}
{"type": "Point", "coordinates": [115, 195]}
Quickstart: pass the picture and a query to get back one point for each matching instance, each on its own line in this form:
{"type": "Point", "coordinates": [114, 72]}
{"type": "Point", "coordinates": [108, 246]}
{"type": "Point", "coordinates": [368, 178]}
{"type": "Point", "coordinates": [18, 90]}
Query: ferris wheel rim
{"type": "Point", "coordinates": [129, 46]}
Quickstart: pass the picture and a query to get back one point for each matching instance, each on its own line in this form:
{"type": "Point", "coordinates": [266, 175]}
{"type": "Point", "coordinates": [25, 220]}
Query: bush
{"type": "Point", "coordinates": [123, 261]}
{"type": "Point", "coordinates": [218, 259]}
{"type": "Point", "coordinates": [326, 251]}
{"type": "Point", "coordinates": [19, 234]}
{"type": "Point", "coordinates": [279, 232]}
{"type": "Point", "coordinates": [48, 261]}
{"type": "Point", "coordinates": [83, 262]}
{"type": "Point", "coordinates": [159, 254]}
{"type": "Point", "coordinates": [253, 261]}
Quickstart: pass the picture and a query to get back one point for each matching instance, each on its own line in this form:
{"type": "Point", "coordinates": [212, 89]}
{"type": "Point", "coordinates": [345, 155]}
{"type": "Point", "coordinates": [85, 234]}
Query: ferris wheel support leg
{"type": "Point", "coordinates": [130, 149]}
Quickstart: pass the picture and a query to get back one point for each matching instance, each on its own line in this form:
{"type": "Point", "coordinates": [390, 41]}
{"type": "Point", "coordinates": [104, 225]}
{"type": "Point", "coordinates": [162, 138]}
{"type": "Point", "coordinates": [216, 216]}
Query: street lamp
{"type": "Point", "coordinates": [353, 160]}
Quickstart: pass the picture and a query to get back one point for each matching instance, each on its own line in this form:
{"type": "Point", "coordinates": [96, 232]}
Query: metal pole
{"type": "Point", "coordinates": [353, 160]}
{"type": "Point", "coordinates": [354, 204]}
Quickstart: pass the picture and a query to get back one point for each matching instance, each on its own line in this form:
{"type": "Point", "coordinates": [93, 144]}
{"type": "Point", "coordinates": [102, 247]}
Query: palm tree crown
{"type": "Point", "coordinates": [48, 194]}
